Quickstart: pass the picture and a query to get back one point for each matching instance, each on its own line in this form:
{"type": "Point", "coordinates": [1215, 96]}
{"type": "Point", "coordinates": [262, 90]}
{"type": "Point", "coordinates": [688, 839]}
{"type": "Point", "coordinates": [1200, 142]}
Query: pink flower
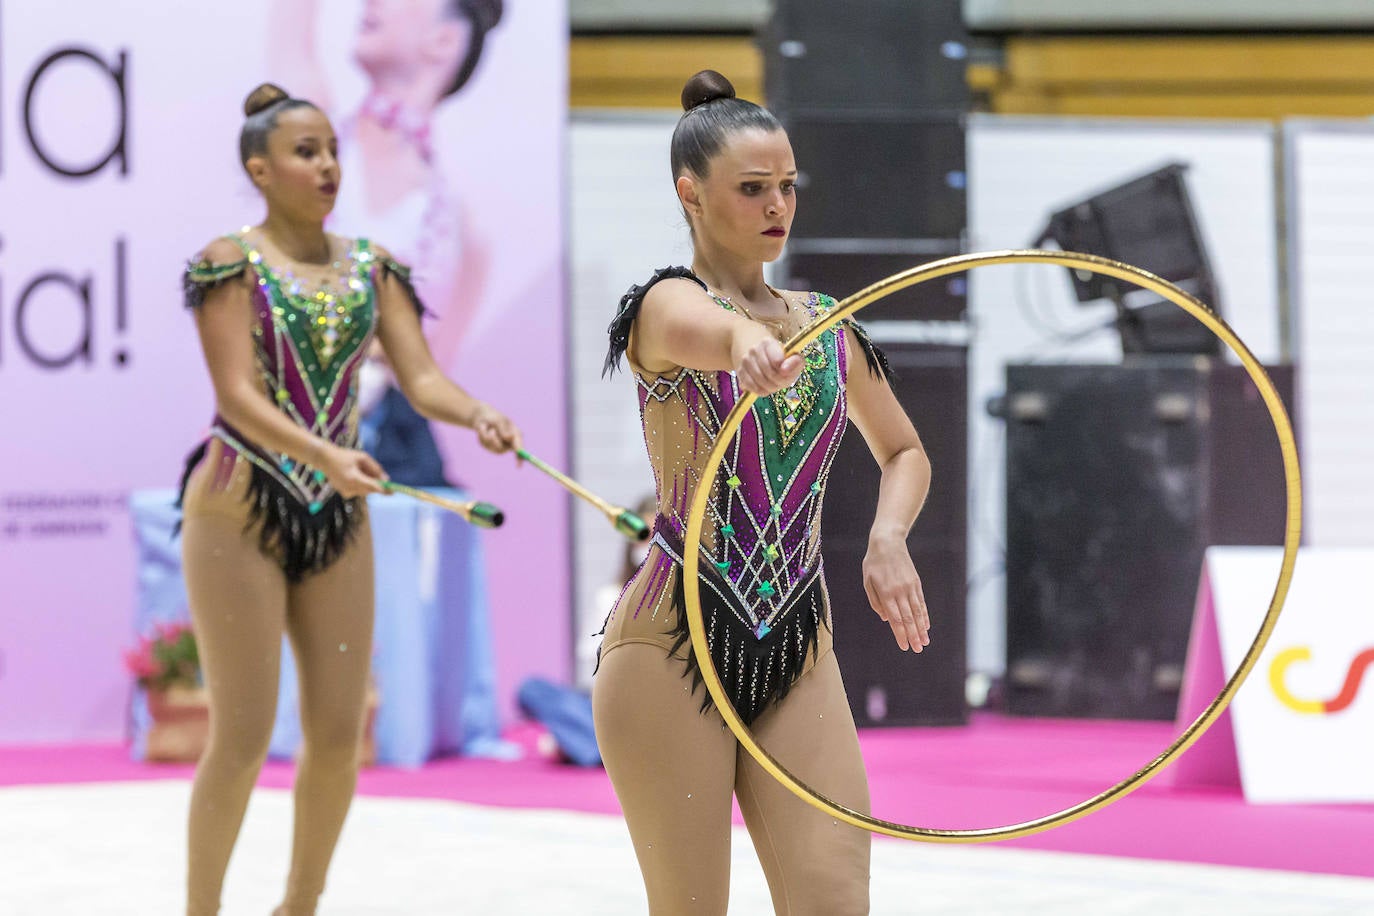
{"type": "Point", "coordinates": [171, 632]}
{"type": "Point", "coordinates": [141, 663]}
{"type": "Point", "coordinates": [167, 656]}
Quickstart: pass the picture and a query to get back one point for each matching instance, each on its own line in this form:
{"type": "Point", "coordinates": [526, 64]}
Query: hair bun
{"type": "Point", "coordinates": [485, 14]}
{"type": "Point", "coordinates": [706, 86]}
{"type": "Point", "coordinates": [265, 96]}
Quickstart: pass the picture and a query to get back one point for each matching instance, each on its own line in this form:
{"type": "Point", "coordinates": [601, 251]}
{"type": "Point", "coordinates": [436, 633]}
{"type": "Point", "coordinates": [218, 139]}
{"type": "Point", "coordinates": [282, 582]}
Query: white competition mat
{"type": "Point", "coordinates": [117, 848]}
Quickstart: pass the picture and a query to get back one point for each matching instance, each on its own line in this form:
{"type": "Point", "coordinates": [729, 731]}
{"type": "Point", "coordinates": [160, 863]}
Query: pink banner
{"type": "Point", "coordinates": [118, 161]}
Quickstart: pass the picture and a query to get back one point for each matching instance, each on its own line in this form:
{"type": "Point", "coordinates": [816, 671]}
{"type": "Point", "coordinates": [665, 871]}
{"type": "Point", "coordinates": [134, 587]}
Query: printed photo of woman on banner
{"type": "Point", "coordinates": [415, 56]}
{"type": "Point", "coordinates": [449, 116]}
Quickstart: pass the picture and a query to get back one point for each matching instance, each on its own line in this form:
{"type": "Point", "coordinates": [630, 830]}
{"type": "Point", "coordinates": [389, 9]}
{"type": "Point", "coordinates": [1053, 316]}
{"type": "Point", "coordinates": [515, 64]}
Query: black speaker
{"type": "Point", "coordinates": [870, 56]}
{"type": "Point", "coordinates": [1118, 478]}
{"type": "Point", "coordinates": [836, 267]}
{"type": "Point", "coordinates": [861, 178]}
{"type": "Point", "coordinates": [887, 686]}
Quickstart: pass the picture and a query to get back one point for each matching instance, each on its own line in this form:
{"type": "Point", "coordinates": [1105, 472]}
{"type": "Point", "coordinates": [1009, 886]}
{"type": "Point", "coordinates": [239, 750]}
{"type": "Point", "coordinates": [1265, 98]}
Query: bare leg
{"type": "Point", "coordinates": [238, 605]}
{"type": "Point", "coordinates": [674, 771]}
{"type": "Point", "coordinates": [330, 622]}
{"type": "Point", "coordinates": [815, 866]}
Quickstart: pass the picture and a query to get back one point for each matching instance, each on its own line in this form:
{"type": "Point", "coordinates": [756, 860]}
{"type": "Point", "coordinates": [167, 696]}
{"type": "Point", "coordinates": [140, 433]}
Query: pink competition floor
{"type": "Point", "coordinates": [998, 770]}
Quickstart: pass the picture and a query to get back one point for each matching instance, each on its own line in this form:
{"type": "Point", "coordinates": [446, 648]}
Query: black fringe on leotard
{"type": "Point", "coordinates": [401, 272]}
{"type": "Point", "coordinates": [873, 354]}
{"type": "Point", "coordinates": [756, 673]}
{"type": "Point", "coordinates": [302, 542]}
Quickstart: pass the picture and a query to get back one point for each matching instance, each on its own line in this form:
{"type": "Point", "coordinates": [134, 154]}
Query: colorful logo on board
{"type": "Point", "coordinates": [1278, 681]}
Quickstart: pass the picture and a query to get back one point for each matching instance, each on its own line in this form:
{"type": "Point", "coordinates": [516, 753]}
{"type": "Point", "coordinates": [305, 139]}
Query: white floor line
{"type": "Point", "coordinates": [117, 848]}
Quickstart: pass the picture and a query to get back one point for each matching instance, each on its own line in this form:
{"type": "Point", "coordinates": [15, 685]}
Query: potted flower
{"type": "Point", "coordinates": [167, 666]}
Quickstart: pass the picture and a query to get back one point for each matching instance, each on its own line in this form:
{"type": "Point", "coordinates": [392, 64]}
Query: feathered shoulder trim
{"type": "Point", "coordinates": [878, 364]}
{"type": "Point", "coordinates": [629, 310]}
{"type": "Point", "coordinates": [394, 268]}
{"type": "Point", "coordinates": [204, 275]}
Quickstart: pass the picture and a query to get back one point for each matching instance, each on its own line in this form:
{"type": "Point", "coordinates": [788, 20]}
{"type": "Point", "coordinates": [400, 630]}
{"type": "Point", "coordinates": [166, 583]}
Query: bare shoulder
{"type": "Point", "coordinates": [661, 318]}
{"type": "Point", "coordinates": [380, 250]}
{"type": "Point", "coordinates": [220, 251]}
{"type": "Point", "coordinates": [670, 290]}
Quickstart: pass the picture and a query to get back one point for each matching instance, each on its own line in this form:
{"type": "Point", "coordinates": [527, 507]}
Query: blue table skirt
{"type": "Point", "coordinates": [432, 659]}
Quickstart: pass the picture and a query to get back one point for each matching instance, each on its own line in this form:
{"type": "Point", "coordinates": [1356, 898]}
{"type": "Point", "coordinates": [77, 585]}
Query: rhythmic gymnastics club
{"type": "Point", "coordinates": [483, 515]}
{"type": "Point", "coordinates": [622, 519]}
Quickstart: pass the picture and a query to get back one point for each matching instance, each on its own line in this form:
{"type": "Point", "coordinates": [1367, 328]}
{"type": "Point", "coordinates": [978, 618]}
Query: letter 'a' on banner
{"type": "Point", "coordinates": [1301, 730]}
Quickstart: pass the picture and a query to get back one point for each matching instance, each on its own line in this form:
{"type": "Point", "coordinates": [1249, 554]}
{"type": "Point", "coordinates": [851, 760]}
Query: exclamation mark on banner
{"type": "Point", "coordinates": [121, 356]}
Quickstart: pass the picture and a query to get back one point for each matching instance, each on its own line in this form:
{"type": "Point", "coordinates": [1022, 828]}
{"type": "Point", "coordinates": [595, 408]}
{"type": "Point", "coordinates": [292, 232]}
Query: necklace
{"type": "Point", "coordinates": [322, 282]}
{"type": "Point", "coordinates": [410, 123]}
{"type": "Point", "coordinates": [777, 322]}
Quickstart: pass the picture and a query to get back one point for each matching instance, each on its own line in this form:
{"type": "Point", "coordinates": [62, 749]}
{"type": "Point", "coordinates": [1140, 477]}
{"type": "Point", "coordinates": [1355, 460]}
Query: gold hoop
{"type": "Point", "coordinates": [933, 270]}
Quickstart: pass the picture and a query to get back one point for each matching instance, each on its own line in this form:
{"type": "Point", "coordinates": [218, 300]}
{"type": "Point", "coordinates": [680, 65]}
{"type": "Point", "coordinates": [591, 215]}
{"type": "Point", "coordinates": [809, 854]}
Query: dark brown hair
{"type": "Point", "coordinates": [261, 109]}
{"type": "Point", "coordinates": [483, 16]}
{"type": "Point", "coordinates": [710, 114]}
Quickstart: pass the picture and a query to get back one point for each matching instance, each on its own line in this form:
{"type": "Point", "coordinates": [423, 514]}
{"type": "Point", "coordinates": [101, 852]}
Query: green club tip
{"type": "Point", "coordinates": [632, 526]}
{"type": "Point", "coordinates": [485, 515]}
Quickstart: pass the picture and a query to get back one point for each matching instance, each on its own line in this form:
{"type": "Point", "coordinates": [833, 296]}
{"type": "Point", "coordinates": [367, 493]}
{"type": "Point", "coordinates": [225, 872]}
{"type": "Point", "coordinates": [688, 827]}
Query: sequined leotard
{"type": "Point", "coordinates": [764, 599]}
{"type": "Point", "coordinates": [309, 345]}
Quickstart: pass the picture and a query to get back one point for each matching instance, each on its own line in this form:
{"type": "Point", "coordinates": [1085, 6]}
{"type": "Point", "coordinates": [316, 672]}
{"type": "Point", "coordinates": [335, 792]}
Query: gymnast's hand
{"type": "Point", "coordinates": [762, 369]}
{"type": "Point", "coordinates": [495, 431]}
{"type": "Point", "coordinates": [894, 590]}
{"type": "Point", "coordinates": [351, 472]}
